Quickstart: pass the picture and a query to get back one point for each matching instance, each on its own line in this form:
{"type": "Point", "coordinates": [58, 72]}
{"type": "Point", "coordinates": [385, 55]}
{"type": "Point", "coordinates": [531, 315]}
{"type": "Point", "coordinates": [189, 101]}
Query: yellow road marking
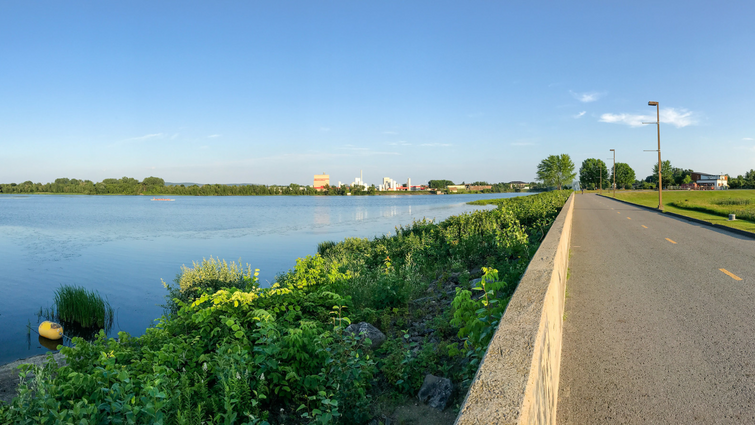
{"type": "Point", "coordinates": [644, 226]}
{"type": "Point", "coordinates": [670, 240]}
{"type": "Point", "coordinates": [629, 218]}
{"type": "Point", "coordinates": [618, 212]}
{"type": "Point", "coordinates": [730, 274]}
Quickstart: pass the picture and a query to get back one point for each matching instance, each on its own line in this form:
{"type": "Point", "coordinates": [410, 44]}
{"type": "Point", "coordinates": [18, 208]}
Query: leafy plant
{"type": "Point", "coordinates": [78, 305]}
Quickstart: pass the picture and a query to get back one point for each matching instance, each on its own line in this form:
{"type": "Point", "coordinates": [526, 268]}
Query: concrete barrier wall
{"type": "Point", "coordinates": [517, 382]}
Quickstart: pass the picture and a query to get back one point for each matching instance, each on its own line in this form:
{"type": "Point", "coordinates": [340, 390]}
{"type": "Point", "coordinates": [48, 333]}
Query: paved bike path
{"type": "Point", "coordinates": [657, 327]}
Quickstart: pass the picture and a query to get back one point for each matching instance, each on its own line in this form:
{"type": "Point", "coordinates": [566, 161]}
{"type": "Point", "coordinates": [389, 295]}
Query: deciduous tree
{"type": "Point", "coordinates": [624, 175]}
{"type": "Point", "coordinates": [589, 173]}
{"type": "Point", "coordinates": [556, 170]}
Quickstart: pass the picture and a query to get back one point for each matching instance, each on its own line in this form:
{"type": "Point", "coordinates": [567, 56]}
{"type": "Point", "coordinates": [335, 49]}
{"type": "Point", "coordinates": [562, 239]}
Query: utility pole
{"type": "Point", "coordinates": [614, 172]}
{"type": "Point", "coordinates": [660, 178]}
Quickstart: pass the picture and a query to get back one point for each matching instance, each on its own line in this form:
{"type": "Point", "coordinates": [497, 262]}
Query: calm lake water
{"type": "Point", "coordinates": [123, 245]}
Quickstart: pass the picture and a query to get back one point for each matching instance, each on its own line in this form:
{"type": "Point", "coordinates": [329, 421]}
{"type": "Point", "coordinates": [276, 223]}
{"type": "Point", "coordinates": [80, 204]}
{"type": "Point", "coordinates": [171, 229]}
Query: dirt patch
{"type": "Point", "coordinates": [420, 414]}
{"type": "Point", "coordinates": [9, 374]}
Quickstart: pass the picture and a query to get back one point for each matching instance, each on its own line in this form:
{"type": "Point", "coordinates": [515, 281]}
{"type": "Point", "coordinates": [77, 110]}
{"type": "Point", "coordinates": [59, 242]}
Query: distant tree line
{"type": "Point", "coordinates": [157, 186]}
{"type": "Point", "coordinates": [501, 187]}
{"type": "Point", "coordinates": [592, 169]}
{"type": "Point", "coordinates": [743, 182]}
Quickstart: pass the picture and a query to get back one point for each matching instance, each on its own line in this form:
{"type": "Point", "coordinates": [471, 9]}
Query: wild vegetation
{"type": "Point", "coordinates": [80, 306]}
{"type": "Point", "coordinates": [228, 351]}
{"type": "Point", "coordinates": [743, 208]}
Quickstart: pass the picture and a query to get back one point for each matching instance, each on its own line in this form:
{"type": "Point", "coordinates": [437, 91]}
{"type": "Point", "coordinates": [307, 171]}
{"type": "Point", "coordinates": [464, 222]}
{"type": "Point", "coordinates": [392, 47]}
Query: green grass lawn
{"type": "Point", "coordinates": [701, 199]}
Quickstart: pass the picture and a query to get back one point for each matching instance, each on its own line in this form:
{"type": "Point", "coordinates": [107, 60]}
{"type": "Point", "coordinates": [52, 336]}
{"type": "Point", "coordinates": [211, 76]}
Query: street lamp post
{"type": "Point", "coordinates": [614, 172]}
{"type": "Point", "coordinates": [600, 188]}
{"type": "Point", "coordinates": [660, 179]}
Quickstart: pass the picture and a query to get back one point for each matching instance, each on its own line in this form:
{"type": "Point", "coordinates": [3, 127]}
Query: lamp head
{"type": "Point", "coordinates": [651, 103]}
{"type": "Point", "coordinates": [612, 150]}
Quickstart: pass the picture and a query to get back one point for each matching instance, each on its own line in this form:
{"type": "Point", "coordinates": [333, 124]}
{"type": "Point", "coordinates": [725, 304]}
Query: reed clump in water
{"type": "Point", "coordinates": [76, 304]}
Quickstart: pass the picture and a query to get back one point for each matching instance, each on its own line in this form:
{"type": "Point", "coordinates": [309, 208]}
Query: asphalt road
{"type": "Point", "coordinates": [658, 326]}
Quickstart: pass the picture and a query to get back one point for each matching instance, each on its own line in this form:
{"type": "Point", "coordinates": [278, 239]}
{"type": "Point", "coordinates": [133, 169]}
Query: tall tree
{"type": "Point", "coordinates": [556, 170]}
{"type": "Point", "coordinates": [590, 172]}
{"type": "Point", "coordinates": [624, 175]}
{"type": "Point", "coordinates": [667, 173]}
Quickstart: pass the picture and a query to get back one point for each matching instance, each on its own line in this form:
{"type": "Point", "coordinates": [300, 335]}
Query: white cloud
{"type": "Point", "coordinates": [436, 144]}
{"type": "Point", "coordinates": [360, 151]}
{"type": "Point", "coordinates": [522, 144]}
{"type": "Point", "coordinates": [747, 138]}
{"type": "Point", "coordinates": [176, 135]}
{"type": "Point", "coordinates": [138, 139]}
{"type": "Point", "coordinates": [146, 136]}
{"type": "Point", "coordinates": [324, 128]}
{"type": "Point", "coordinates": [587, 97]}
{"type": "Point", "coordinates": [629, 119]}
{"type": "Point", "coordinates": [400, 143]}
{"type": "Point", "coordinates": [678, 118]}
{"type": "Point", "coordinates": [579, 115]}
{"type": "Point", "coordinates": [214, 136]}
{"type": "Point", "coordinates": [390, 132]}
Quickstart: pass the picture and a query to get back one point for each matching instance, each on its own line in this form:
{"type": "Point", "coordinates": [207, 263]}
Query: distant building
{"type": "Point", "coordinates": [359, 182]}
{"type": "Point", "coordinates": [710, 181]}
{"type": "Point", "coordinates": [321, 180]}
{"type": "Point", "coordinates": [389, 184]}
{"type": "Point", "coordinates": [478, 188]}
{"type": "Point", "coordinates": [456, 187]}
{"type": "Point", "coordinates": [519, 185]}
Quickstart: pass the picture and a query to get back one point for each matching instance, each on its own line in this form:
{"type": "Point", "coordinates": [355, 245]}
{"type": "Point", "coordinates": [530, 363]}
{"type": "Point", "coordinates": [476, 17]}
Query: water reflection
{"type": "Point", "coordinates": [321, 215]}
{"type": "Point", "coordinates": [50, 344]}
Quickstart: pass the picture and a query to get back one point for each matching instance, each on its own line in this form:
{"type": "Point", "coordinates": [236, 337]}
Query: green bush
{"type": "Point", "coordinates": [208, 276]}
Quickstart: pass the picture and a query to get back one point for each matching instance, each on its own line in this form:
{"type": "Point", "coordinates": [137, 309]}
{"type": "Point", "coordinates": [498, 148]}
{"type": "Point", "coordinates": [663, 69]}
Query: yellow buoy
{"type": "Point", "coordinates": [50, 330]}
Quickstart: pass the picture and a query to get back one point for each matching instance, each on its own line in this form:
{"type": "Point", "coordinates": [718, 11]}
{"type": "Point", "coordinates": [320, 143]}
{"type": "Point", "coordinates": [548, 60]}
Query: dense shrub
{"type": "Point", "coordinates": [228, 351]}
{"type": "Point", "coordinates": [208, 276]}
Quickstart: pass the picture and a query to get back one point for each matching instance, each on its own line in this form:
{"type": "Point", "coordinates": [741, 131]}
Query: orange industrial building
{"type": "Point", "coordinates": [321, 180]}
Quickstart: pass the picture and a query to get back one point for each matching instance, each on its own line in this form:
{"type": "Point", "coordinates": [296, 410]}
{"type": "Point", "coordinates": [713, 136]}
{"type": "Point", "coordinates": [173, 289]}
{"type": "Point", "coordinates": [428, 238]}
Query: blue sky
{"type": "Point", "coordinates": [274, 92]}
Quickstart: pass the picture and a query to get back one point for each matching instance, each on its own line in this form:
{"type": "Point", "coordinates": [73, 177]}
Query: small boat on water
{"type": "Point", "coordinates": [161, 199]}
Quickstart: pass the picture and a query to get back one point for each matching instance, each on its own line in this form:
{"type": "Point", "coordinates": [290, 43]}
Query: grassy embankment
{"type": "Point", "coordinates": [228, 351]}
{"type": "Point", "coordinates": [713, 206]}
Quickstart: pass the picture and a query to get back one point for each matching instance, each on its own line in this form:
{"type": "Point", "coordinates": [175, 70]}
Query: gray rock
{"type": "Point", "coordinates": [436, 392]}
{"type": "Point", "coordinates": [475, 282]}
{"type": "Point", "coordinates": [369, 331]}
